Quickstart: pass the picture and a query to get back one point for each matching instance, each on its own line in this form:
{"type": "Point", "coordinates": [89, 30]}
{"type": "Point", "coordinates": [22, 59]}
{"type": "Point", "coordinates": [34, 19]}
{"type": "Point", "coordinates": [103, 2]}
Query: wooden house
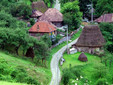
{"type": "Point", "coordinates": [54, 16]}
{"type": "Point", "coordinates": [40, 6]}
{"type": "Point", "coordinates": [90, 40]}
{"type": "Point", "coordinates": [36, 14]}
{"type": "Point", "coordinates": [41, 28]}
{"type": "Point", "coordinates": [105, 18]}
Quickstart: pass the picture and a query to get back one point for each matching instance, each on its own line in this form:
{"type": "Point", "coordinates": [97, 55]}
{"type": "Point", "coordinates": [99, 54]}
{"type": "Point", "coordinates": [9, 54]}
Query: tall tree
{"type": "Point", "coordinates": [72, 14]}
{"type": "Point", "coordinates": [104, 6]}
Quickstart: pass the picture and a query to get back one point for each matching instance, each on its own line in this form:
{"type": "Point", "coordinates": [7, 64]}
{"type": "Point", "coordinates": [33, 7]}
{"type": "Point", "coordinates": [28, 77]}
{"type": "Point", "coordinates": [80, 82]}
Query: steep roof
{"type": "Point", "coordinates": [42, 26]}
{"type": "Point", "coordinates": [105, 18]}
{"type": "Point", "coordinates": [82, 57]}
{"type": "Point", "coordinates": [39, 5]}
{"type": "Point", "coordinates": [91, 36]}
{"type": "Point", "coordinates": [36, 13]}
{"type": "Point", "coordinates": [52, 15]}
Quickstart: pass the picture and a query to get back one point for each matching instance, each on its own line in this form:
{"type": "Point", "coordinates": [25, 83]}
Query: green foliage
{"type": "Point", "coordinates": [100, 72]}
{"type": "Point", "coordinates": [104, 6]}
{"type": "Point", "coordinates": [107, 31]}
{"type": "Point", "coordinates": [18, 74]}
{"type": "Point", "coordinates": [21, 9]}
{"type": "Point", "coordinates": [8, 21]}
{"type": "Point", "coordinates": [101, 81]}
{"type": "Point", "coordinates": [72, 14]}
{"type": "Point", "coordinates": [46, 39]}
{"type": "Point", "coordinates": [49, 3]}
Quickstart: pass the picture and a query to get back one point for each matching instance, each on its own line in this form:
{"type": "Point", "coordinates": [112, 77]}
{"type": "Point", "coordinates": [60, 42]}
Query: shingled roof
{"type": "Point", "coordinates": [91, 36]}
{"type": "Point", "coordinates": [39, 5]}
{"type": "Point", "coordinates": [42, 27]}
{"type": "Point", "coordinates": [105, 18]}
{"type": "Point", "coordinates": [52, 15]}
{"type": "Point", "coordinates": [36, 13]}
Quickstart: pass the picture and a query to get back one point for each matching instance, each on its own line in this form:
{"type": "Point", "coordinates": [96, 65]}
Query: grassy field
{"type": "Point", "coordinates": [92, 70]}
{"type": "Point", "coordinates": [9, 83]}
{"type": "Point", "coordinates": [73, 60]}
{"type": "Point", "coordinates": [41, 74]}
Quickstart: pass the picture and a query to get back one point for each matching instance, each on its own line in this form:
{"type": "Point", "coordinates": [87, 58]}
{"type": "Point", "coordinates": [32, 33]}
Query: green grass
{"type": "Point", "coordinates": [39, 73]}
{"type": "Point", "coordinates": [87, 68]}
{"type": "Point", "coordinates": [73, 60]}
{"type": "Point", "coordinates": [76, 35]}
{"type": "Point", "coordinates": [9, 83]}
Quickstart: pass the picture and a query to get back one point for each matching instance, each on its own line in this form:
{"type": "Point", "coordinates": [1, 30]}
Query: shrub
{"type": "Point", "coordinates": [101, 81]}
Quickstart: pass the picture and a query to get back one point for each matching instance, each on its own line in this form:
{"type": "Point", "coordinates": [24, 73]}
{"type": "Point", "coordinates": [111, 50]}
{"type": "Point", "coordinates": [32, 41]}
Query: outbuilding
{"type": "Point", "coordinates": [90, 40]}
{"type": "Point", "coordinates": [54, 16]}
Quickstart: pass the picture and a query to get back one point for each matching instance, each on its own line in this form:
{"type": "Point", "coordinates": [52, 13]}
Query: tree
{"type": "Point", "coordinates": [46, 39]}
{"type": "Point", "coordinates": [104, 6]}
{"type": "Point", "coordinates": [72, 14]}
{"type": "Point", "coordinates": [107, 31]}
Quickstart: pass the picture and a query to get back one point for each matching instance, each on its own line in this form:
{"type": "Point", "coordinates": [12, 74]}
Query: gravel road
{"type": "Point", "coordinates": [56, 77]}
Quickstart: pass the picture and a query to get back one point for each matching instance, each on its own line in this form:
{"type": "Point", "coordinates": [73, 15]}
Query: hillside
{"type": "Point", "coordinates": [41, 74]}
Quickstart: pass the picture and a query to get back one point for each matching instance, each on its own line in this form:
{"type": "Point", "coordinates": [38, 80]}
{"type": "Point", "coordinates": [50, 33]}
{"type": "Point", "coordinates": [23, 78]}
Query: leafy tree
{"type": "Point", "coordinates": [107, 31]}
{"type": "Point", "coordinates": [71, 10]}
{"type": "Point", "coordinates": [104, 6]}
{"type": "Point", "coordinates": [49, 3]}
{"type": "Point", "coordinates": [46, 39]}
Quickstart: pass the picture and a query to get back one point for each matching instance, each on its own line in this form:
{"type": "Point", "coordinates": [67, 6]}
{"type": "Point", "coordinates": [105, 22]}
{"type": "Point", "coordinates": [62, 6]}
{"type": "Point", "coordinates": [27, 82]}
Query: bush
{"type": "Point", "coordinates": [101, 81]}
{"type": "Point", "coordinates": [66, 76]}
{"type": "Point", "coordinates": [99, 72]}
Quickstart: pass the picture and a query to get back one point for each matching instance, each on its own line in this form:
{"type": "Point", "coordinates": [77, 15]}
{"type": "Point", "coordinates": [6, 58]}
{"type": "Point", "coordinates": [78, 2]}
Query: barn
{"type": "Point", "coordinates": [90, 40]}
{"type": "Point", "coordinates": [105, 18]}
{"type": "Point", "coordinates": [54, 16]}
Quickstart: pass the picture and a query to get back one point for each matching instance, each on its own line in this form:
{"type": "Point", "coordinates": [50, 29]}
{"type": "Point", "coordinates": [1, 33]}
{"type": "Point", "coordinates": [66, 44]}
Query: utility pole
{"type": "Point", "coordinates": [67, 39]}
{"type": "Point", "coordinates": [92, 11]}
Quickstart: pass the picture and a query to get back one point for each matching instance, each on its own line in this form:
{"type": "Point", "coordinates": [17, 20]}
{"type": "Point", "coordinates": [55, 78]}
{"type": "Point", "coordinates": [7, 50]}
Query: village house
{"type": "Point", "coordinates": [54, 16]}
{"type": "Point", "coordinates": [36, 14]}
{"type": "Point", "coordinates": [41, 28]}
{"type": "Point", "coordinates": [90, 40]}
{"type": "Point", "coordinates": [40, 6]}
{"type": "Point", "coordinates": [105, 18]}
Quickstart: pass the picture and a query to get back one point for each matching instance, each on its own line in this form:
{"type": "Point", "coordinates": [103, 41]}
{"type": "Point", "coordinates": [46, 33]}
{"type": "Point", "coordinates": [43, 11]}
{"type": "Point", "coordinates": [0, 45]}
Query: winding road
{"type": "Point", "coordinates": [56, 77]}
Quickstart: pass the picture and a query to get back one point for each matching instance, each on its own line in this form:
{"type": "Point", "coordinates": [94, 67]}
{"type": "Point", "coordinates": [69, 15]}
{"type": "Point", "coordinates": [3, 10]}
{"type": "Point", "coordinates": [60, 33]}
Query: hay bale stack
{"type": "Point", "coordinates": [83, 57]}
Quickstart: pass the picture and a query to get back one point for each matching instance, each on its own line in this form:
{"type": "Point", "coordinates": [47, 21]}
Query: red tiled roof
{"type": "Point", "coordinates": [105, 18]}
{"type": "Point", "coordinates": [52, 15]}
{"type": "Point", "coordinates": [42, 26]}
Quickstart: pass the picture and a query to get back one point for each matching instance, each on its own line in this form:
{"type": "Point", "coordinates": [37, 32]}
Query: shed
{"type": "Point", "coordinates": [82, 57]}
{"type": "Point", "coordinates": [54, 16]}
{"type": "Point", "coordinates": [105, 18]}
{"type": "Point", "coordinates": [90, 40]}
{"type": "Point", "coordinates": [40, 6]}
{"type": "Point", "coordinates": [36, 14]}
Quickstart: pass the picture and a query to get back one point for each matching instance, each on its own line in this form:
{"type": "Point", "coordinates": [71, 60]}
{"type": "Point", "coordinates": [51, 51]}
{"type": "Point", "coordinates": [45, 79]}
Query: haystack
{"type": "Point", "coordinates": [83, 57]}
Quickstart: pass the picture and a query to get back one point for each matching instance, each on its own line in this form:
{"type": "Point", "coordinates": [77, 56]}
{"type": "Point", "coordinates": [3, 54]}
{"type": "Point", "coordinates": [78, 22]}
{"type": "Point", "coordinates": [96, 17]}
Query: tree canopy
{"type": "Point", "coordinates": [72, 14]}
{"type": "Point", "coordinates": [104, 6]}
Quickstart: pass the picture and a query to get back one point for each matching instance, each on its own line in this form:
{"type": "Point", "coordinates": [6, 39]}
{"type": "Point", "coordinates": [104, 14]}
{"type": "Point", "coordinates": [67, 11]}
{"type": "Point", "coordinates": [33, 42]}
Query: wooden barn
{"type": "Point", "coordinates": [36, 14]}
{"type": "Point", "coordinates": [105, 18]}
{"type": "Point", "coordinates": [40, 6]}
{"type": "Point", "coordinates": [90, 40]}
{"type": "Point", "coordinates": [42, 27]}
{"type": "Point", "coordinates": [54, 16]}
